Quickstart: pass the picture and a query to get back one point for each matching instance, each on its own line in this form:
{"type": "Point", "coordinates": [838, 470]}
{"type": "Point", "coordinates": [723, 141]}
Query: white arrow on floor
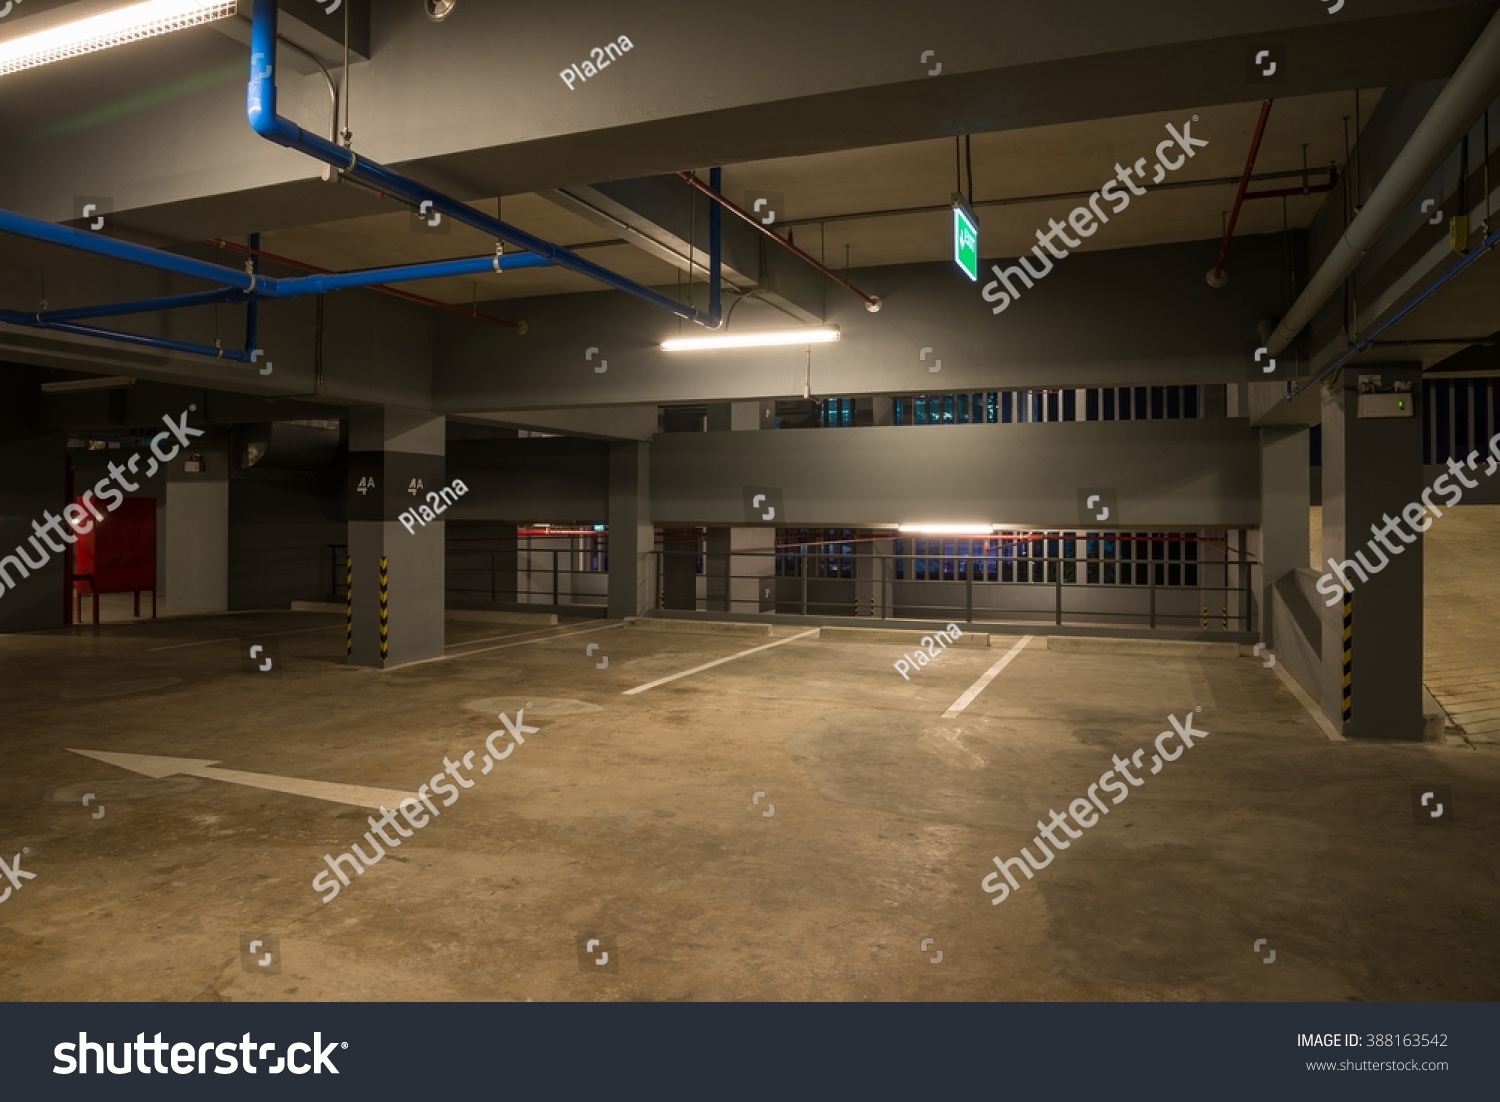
{"type": "Point", "coordinates": [152, 766]}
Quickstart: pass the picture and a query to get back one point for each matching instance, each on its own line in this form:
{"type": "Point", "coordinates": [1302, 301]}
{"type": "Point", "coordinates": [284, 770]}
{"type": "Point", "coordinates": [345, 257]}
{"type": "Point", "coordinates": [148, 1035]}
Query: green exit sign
{"type": "Point", "coordinates": [965, 240]}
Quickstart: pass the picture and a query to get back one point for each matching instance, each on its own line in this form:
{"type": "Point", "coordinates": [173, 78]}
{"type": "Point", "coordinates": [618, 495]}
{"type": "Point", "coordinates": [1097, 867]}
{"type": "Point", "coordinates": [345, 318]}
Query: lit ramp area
{"type": "Point", "coordinates": [1461, 657]}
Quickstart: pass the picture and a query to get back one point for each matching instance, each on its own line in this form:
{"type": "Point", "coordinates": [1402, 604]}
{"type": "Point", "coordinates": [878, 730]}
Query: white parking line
{"type": "Point", "coordinates": [251, 635]}
{"type": "Point", "coordinates": [719, 662]}
{"type": "Point", "coordinates": [989, 675]}
{"type": "Point", "coordinates": [494, 638]}
{"type": "Point", "coordinates": [526, 642]}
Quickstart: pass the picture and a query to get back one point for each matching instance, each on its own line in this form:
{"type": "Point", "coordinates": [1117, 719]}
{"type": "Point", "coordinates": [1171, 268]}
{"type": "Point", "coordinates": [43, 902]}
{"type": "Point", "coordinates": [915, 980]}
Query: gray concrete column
{"type": "Point", "coordinates": [32, 596]}
{"type": "Point", "coordinates": [396, 470]}
{"type": "Point", "coordinates": [874, 411]}
{"type": "Point", "coordinates": [1372, 469]}
{"type": "Point", "coordinates": [741, 569]}
{"type": "Point", "coordinates": [867, 595]}
{"type": "Point", "coordinates": [740, 416]}
{"type": "Point", "coordinates": [678, 580]}
{"type": "Point", "coordinates": [737, 578]}
{"type": "Point", "coordinates": [195, 527]}
{"type": "Point", "coordinates": [1280, 543]}
{"type": "Point", "coordinates": [632, 567]}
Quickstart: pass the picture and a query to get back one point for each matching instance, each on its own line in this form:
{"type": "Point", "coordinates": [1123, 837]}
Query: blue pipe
{"type": "Point", "coordinates": [265, 287]}
{"type": "Point", "coordinates": [83, 241]}
{"type": "Point", "coordinates": [297, 286]}
{"type": "Point", "coordinates": [143, 306]}
{"type": "Point", "coordinates": [251, 284]}
{"type": "Point", "coordinates": [16, 318]}
{"type": "Point", "coordinates": [260, 109]}
{"type": "Point", "coordinates": [1369, 338]}
{"type": "Point", "coordinates": [252, 311]}
{"type": "Point", "coordinates": [715, 250]}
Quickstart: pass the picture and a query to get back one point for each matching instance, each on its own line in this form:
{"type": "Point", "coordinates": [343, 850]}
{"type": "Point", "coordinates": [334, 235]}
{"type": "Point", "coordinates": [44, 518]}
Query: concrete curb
{"type": "Point", "coordinates": [485, 616]}
{"type": "Point", "coordinates": [1077, 644]}
{"type": "Point", "coordinates": [699, 627]}
{"type": "Point", "coordinates": [902, 637]}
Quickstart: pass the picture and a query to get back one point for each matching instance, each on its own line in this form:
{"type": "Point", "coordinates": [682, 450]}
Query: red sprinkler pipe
{"type": "Point", "coordinates": [872, 302]}
{"type": "Point", "coordinates": [518, 326]}
{"type": "Point", "coordinates": [1216, 278]}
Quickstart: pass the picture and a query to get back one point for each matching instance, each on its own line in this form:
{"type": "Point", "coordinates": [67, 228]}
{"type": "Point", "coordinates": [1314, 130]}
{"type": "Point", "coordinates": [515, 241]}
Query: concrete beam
{"type": "Point", "coordinates": [477, 101]}
{"type": "Point", "coordinates": [1122, 317]}
{"type": "Point", "coordinates": [622, 423]}
{"type": "Point", "coordinates": [1165, 474]}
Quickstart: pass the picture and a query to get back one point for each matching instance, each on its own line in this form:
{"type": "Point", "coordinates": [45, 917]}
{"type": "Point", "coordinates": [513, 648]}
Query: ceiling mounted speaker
{"type": "Point", "coordinates": [438, 10]}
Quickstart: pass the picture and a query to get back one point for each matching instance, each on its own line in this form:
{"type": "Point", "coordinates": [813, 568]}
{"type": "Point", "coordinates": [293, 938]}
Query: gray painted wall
{"type": "Point", "coordinates": [196, 538]}
{"type": "Point", "coordinates": [279, 532]}
{"type": "Point", "coordinates": [553, 480]}
{"type": "Point", "coordinates": [1178, 474]}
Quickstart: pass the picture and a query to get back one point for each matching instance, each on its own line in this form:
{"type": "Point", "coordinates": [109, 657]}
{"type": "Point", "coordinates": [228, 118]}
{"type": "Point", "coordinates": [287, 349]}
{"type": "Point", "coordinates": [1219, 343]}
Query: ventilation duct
{"type": "Point", "coordinates": [289, 446]}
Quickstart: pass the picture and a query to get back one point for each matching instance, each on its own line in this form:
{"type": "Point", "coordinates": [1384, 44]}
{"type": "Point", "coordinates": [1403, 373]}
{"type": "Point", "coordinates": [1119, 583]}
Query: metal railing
{"type": "Point", "coordinates": [1220, 594]}
{"type": "Point", "coordinates": [511, 573]}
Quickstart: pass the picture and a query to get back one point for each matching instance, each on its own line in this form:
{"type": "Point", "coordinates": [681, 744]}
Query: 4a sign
{"type": "Point", "coordinates": [965, 239]}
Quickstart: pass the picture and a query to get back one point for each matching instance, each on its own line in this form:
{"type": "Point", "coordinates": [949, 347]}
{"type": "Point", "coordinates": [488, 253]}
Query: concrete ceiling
{"type": "Point", "coordinates": [1006, 165]}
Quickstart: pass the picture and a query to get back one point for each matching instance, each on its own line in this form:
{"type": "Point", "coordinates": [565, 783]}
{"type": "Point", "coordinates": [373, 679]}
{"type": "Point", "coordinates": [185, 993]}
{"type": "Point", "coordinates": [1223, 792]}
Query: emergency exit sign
{"type": "Point", "coordinates": [965, 240]}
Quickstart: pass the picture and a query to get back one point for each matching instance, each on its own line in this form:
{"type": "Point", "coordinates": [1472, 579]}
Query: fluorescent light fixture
{"type": "Point", "coordinates": [947, 529]}
{"type": "Point", "coordinates": [764, 338]}
{"type": "Point", "coordinates": [102, 382]}
{"type": "Point", "coordinates": [93, 33]}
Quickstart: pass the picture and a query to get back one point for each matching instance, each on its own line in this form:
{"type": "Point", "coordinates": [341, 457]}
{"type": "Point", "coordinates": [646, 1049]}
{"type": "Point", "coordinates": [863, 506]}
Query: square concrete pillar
{"type": "Point", "coordinates": [874, 574]}
{"type": "Point", "coordinates": [741, 569]}
{"type": "Point", "coordinates": [195, 532]}
{"type": "Point", "coordinates": [677, 580]}
{"type": "Point", "coordinates": [632, 567]}
{"type": "Point", "coordinates": [740, 416]}
{"type": "Point", "coordinates": [1372, 635]}
{"type": "Point", "coordinates": [396, 470]}
{"type": "Point", "coordinates": [1280, 543]}
{"type": "Point", "coordinates": [32, 589]}
{"type": "Point", "coordinates": [874, 411]}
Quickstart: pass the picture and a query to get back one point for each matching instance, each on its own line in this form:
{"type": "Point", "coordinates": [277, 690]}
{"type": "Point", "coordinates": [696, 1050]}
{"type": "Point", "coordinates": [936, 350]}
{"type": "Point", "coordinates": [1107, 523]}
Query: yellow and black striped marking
{"type": "Point", "coordinates": [1348, 658]}
{"type": "Point", "coordinates": [385, 608]}
{"type": "Point", "coordinates": [348, 606]}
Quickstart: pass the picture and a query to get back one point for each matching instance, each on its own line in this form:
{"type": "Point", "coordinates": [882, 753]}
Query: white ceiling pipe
{"type": "Point", "coordinates": [1473, 87]}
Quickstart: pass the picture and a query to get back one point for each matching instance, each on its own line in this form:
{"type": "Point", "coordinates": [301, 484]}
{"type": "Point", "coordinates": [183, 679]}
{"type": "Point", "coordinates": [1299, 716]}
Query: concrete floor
{"type": "Point", "coordinates": [630, 818]}
{"type": "Point", "coordinates": [1461, 649]}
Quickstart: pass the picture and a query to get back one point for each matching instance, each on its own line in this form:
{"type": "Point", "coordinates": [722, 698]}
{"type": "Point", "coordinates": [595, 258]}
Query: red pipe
{"type": "Point", "coordinates": [518, 326]}
{"type": "Point", "coordinates": [872, 303]}
{"type": "Point", "coordinates": [1333, 182]}
{"type": "Point", "coordinates": [1216, 277]}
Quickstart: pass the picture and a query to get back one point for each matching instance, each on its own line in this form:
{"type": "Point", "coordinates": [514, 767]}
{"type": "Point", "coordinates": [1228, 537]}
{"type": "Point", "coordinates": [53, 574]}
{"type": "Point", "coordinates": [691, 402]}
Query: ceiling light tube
{"type": "Point", "coordinates": [762, 339]}
{"type": "Point", "coordinates": [924, 529]}
{"type": "Point", "coordinates": [111, 28]}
